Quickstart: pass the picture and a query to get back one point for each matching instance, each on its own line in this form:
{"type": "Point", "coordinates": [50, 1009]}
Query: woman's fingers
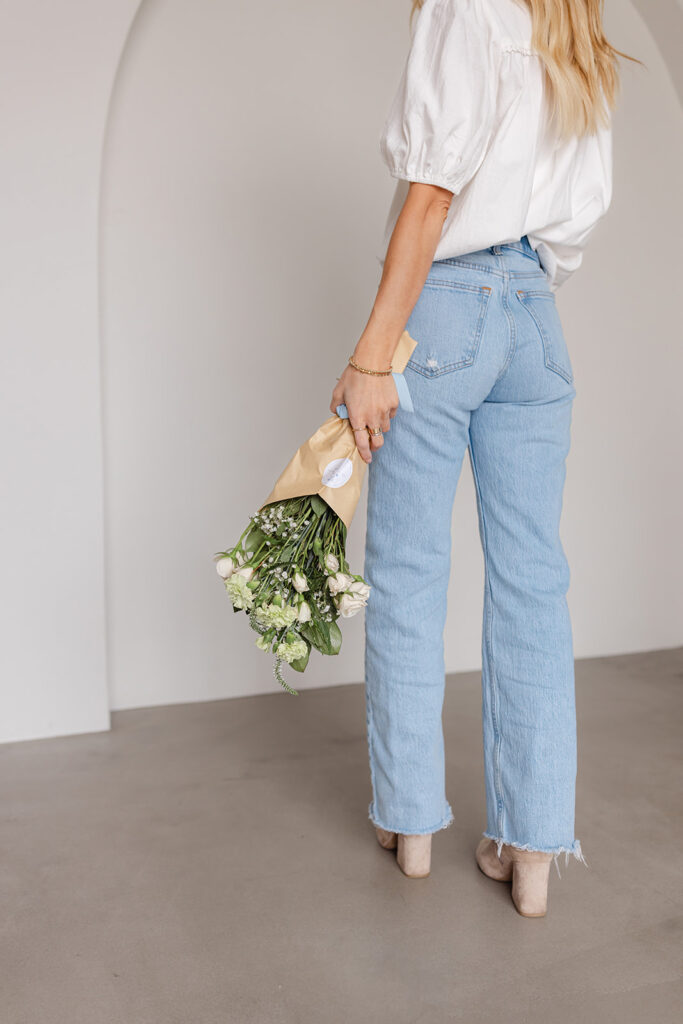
{"type": "Point", "coordinates": [362, 442]}
{"type": "Point", "coordinates": [366, 441]}
{"type": "Point", "coordinates": [377, 440]}
{"type": "Point", "coordinates": [383, 421]}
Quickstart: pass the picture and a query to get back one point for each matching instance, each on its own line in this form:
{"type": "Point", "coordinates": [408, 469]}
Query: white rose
{"type": "Point", "coordinates": [304, 614]}
{"type": "Point", "coordinates": [246, 570]}
{"type": "Point", "coordinates": [299, 582]}
{"type": "Point", "coordinates": [349, 604]}
{"type": "Point", "coordinates": [225, 567]}
{"type": "Point", "coordinates": [340, 581]}
{"type": "Point", "coordinates": [360, 588]}
{"type": "Point", "coordinates": [331, 563]}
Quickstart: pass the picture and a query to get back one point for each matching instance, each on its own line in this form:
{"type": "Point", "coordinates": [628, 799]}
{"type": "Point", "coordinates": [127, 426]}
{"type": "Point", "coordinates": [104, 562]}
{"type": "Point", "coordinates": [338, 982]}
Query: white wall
{"type": "Point", "coordinates": [239, 240]}
{"type": "Point", "coordinates": [57, 64]}
{"type": "Point", "coordinates": [624, 504]}
{"type": "Point", "coordinates": [238, 236]}
{"type": "Point", "coordinates": [242, 208]}
{"type": "Point", "coordinates": [664, 19]}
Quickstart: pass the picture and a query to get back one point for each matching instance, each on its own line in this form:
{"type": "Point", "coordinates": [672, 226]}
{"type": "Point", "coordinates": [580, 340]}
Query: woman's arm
{"type": "Point", "coordinates": [372, 401]}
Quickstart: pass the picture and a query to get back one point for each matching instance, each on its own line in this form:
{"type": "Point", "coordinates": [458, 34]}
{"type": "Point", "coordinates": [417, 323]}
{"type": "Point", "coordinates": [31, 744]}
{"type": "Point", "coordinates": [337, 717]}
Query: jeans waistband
{"type": "Point", "coordinates": [489, 258]}
{"type": "Point", "coordinates": [523, 244]}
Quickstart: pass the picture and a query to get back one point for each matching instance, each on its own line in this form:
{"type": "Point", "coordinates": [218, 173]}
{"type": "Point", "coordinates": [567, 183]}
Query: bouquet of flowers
{"type": "Point", "coordinates": [288, 571]}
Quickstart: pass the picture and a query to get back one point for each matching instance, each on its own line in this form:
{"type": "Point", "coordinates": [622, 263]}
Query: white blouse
{"type": "Point", "coordinates": [470, 114]}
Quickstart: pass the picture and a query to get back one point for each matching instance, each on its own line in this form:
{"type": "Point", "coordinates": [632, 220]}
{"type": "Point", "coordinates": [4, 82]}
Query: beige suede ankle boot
{"type": "Point", "coordinates": [529, 871]}
{"type": "Point", "coordinates": [490, 863]}
{"type": "Point", "coordinates": [386, 839]}
{"type": "Point", "coordinates": [414, 854]}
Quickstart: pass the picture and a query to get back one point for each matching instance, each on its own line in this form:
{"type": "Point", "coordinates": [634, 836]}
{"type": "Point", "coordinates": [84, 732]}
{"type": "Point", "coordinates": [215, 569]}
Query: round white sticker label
{"type": "Point", "coordinates": [337, 472]}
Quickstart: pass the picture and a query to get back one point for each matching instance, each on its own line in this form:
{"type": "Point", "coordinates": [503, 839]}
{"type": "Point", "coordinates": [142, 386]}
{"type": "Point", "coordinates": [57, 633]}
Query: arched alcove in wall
{"type": "Point", "coordinates": [664, 20]}
{"type": "Point", "coordinates": [58, 64]}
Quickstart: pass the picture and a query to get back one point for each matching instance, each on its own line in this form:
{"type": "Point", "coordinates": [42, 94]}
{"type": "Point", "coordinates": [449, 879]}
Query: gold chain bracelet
{"type": "Point", "coordinates": [364, 369]}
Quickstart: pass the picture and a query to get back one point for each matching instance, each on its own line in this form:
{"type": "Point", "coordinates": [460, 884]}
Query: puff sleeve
{"type": "Point", "coordinates": [441, 120]}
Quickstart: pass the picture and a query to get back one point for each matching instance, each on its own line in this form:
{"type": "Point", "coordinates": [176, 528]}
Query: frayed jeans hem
{"type": "Point", "coordinates": [444, 823]}
{"type": "Point", "coordinates": [574, 850]}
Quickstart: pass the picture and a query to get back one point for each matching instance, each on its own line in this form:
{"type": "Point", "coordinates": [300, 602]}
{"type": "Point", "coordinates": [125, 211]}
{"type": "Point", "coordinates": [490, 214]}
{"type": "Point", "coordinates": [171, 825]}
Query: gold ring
{"type": "Point", "coordinates": [375, 432]}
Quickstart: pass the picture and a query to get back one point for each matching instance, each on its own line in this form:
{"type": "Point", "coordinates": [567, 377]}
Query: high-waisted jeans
{"type": "Point", "coordinates": [491, 373]}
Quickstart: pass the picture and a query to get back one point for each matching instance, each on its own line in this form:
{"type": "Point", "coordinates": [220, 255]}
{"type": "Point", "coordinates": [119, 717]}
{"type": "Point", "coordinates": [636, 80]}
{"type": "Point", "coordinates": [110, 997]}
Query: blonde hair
{"type": "Point", "coordinates": [580, 64]}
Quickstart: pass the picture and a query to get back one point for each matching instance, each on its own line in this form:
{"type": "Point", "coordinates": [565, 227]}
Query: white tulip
{"type": "Point", "coordinates": [331, 563]}
{"type": "Point", "coordinates": [299, 582]}
{"type": "Point", "coordinates": [340, 581]}
{"type": "Point", "coordinates": [246, 570]}
{"type": "Point", "coordinates": [360, 588]}
{"type": "Point", "coordinates": [304, 614]}
{"type": "Point", "coordinates": [225, 567]}
{"type": "Point", "coordinates": [349, 604]}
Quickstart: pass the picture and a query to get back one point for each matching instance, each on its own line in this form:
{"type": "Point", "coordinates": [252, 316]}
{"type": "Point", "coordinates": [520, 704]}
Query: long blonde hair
{"type": "Point", "coordinates": [581, 66]}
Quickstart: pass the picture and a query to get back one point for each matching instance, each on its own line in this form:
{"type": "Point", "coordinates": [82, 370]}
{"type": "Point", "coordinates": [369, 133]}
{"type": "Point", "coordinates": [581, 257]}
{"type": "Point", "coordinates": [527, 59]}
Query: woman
{"type": "Point", "coordinates": [500, 136]}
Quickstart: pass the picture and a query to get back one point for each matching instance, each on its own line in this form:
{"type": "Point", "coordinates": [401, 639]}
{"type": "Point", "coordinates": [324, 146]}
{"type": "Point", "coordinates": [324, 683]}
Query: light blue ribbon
{"type": "Point", "coordinates": [404, 399]}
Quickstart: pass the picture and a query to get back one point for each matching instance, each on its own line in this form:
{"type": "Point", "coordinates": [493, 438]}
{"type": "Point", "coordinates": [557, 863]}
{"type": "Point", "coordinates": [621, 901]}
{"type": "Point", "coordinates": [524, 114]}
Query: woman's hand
{"type": "Point", "coordinates": [371, 402]}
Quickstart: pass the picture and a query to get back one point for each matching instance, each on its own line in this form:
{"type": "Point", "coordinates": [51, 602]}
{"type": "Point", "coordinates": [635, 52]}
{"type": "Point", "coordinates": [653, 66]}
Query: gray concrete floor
{"type": "Point", "coordinates": [213, 863]}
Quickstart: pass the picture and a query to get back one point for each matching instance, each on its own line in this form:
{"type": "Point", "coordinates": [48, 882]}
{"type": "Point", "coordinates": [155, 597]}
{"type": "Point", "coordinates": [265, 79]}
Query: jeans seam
{"type": "Point", "coordinates": [453, 285]}
{"type": "Point", "coordinates": [370, 729]}
{"type": "Point", "coordinates": [372, 809]}
{"type": "Point", "coordinates": [513, 329]}
{"type": "Point", "coordinates": [488, 635]}
{"type": "Point", "coordinates": [454, 261]}
{"type": "Point", "coordinates": [548, 359]}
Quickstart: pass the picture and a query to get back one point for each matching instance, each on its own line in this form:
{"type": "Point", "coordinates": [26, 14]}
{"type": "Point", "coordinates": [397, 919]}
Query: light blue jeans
{"type": "Point", "coordinates": [491, 373]}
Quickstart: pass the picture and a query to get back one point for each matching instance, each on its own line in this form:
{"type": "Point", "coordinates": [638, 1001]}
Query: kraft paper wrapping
{"type": "Point", "coordinates": [329, 464]}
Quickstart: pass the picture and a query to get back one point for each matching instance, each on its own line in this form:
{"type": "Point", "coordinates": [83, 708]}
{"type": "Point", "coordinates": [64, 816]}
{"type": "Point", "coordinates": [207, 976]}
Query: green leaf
{"type": "Point", "coordinates": [318, 635]}
{"type": "Point", "coordinates": [318, 506]}
{"type": "Point", "coordinates": [284, 554]}
{"type": "Point", "coordinates": [335, 637]}
{"type": "Point", "coordinates": [309, 631]}
{"type": "Point", "coordinates": [300, 664]}
{"type": "Point", "coordinates": [254, 539]}
{"type": "Point", "coordinates": [325, 636]}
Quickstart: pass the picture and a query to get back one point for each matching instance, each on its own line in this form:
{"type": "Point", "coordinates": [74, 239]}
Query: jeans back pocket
{"type": "Point", "coordinates": [447, 322]}
{"type": "Point", "coordinates": [540, 303]}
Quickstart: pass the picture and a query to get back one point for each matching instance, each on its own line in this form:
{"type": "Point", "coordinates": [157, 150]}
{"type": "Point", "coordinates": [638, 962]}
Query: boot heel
{"type": "Point", "coordinates": [414, 855]}
{"type": "Point", "coordinates": [530, 874]}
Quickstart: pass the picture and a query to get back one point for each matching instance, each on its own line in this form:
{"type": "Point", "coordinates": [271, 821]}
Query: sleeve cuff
{"type": "Point", "coordinates": [425, 178]}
